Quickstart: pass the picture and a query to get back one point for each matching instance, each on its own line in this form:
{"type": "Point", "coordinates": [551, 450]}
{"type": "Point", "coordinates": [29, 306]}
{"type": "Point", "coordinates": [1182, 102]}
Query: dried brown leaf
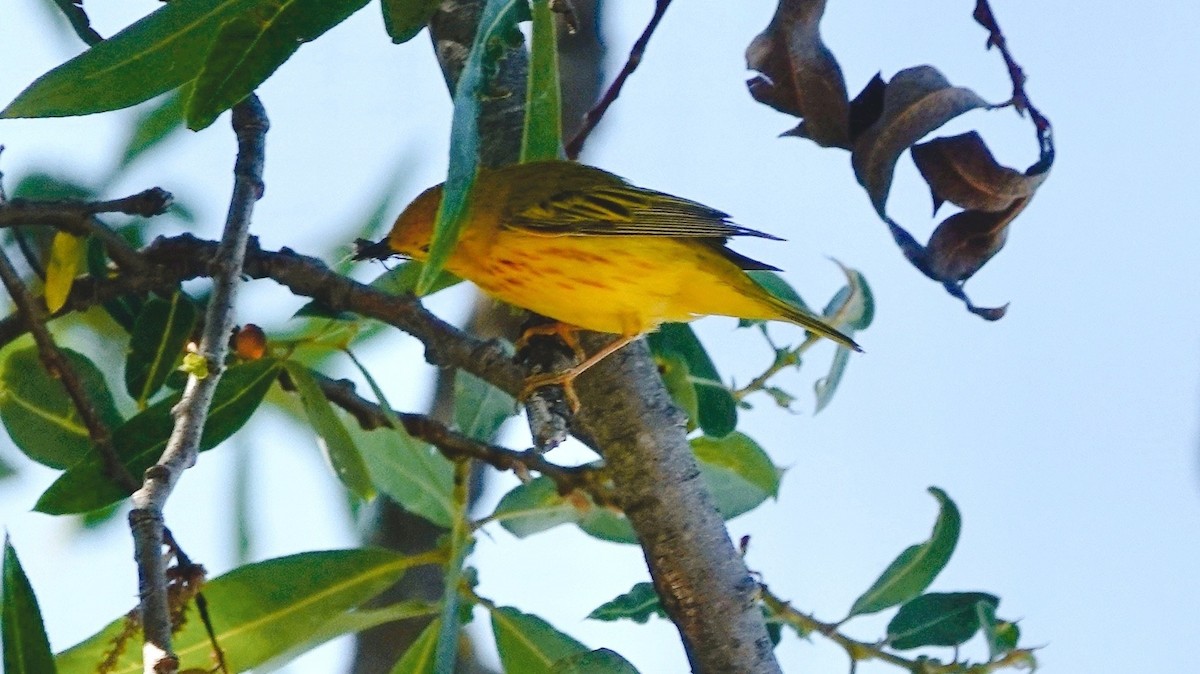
{"type": "Point", "coordinates": [961, 169]}
{"type": "Point", "coordinates": [916, 101]}
{"type": "Point", "coordinates": [799, 75]}
{"type": "Point", "coordinates": [965, 241]}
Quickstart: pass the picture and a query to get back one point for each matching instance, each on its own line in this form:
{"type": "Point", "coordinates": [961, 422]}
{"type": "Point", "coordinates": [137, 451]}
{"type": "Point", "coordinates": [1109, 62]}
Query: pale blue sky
{"type": "Point", "coordinates": [1067, 432]}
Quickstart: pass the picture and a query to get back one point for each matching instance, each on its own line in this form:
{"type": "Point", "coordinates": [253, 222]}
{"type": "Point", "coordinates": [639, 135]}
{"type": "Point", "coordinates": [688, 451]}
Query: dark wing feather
{"type": "Point", "coordinates": [743, 262]}
{"type": "Point", "coordinates": [620, 209]}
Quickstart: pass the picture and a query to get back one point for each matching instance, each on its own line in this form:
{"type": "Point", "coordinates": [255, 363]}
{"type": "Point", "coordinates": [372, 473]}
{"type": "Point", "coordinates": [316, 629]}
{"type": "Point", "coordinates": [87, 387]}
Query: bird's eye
{"type": "Point", "coordinates": [425, 248]}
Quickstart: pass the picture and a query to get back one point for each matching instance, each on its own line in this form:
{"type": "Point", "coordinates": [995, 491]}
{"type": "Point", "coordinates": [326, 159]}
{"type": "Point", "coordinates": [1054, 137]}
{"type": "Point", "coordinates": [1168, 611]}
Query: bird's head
{"type": "Point", "coordinates": [411, 234]}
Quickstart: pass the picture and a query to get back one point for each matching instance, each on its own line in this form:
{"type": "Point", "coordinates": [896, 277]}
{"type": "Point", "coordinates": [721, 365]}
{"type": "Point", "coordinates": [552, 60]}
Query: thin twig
{"type": "Point", "coordinates": [77, 217]}
{"type": "Point", "coordinates": [862, 650]}
{"type": "Point", "coordinates": [593, 117]}
{"type": "Point", "coordinates": [146, 520]}
{"type": "Point", "coordinates": [185, 257]}
{"type": "Point", "coordinates": [454, 445]}
{"type": "Point", "coordinates": [1020, 99]}
{"type": "Point", "coordinates": [33, 314]}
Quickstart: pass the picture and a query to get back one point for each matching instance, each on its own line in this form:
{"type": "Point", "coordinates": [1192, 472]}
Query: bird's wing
{"type": "Point", "coordinates": [621, 209]}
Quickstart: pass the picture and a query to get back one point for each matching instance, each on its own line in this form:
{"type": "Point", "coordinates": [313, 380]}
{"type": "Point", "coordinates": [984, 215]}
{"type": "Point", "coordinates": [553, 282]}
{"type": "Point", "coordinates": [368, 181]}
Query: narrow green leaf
{"type": "Point", "coordinates": [410, 472]}
{"type": "Point", "coordinates": [534, 507]}
{"type": "Point", "coordinates": [638, 604]}
{"type": "Point", "coordinates": [66, 259]}
{"type": "Point", "coordinates": [852, 309]}
{"type": "Point", "coordinates": [26, 648]}
{"type": "Point", "coordinates": [348, 623]}
{"type": "Point", "coordinates": [399, 280]}
{"type": "Point", "coordinates": [140, 441]}
{"type": "Point", "coordinates": [39, 415]}
{"type": "Point", "coordinates": [152, 127]}
{"type": "Point", "coordinates": [455, 609]}
{"type": "Point", "coordinates": [335, 441]}
{"type": "Point", "coordinates": [418, 659]}
{"type": "Point", "coordinates": [917, 566]}
{"type": "Point", "coordinates": [528, 644]}
{"type": "Point", "coordinates": [497, 18]}
{"type": "Point", "coordinates": [537, 506]}
{"type": "Point", "coordinates": [543, 103]}
{"type": "Point", "coordinates": [678, 380]}
{"type": "Point", "coordinates": [939, 619]}
{"type": "Point", "coordinates": [716, 408]}
{"type": "Point", "coordinates": [737, 471]}
{"type": "Point", "coordinates": [154, 55]}
{"type": "Point", "coordinates": [1001, 636]}
{"type": "Point", "coordinates": [123, 310]}
{"type": "Point", "coordinates": [403, 19]}
{"type": "Point", "coordinates": [480, 409]}
{"type": "Point", "coordinates": [600, 661]}
{"type": "Point", "coordinates": [251, 46]}
{"type": "Point", "coordinates": [260, 611]}
{"type": "Point", "coordinates": [156, 344]}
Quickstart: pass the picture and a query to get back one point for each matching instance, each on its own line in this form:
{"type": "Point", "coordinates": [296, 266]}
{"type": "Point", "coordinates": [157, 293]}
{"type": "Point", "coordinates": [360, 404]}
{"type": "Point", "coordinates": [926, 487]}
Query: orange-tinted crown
{"type": "Point", "coordinates": [414, 228]}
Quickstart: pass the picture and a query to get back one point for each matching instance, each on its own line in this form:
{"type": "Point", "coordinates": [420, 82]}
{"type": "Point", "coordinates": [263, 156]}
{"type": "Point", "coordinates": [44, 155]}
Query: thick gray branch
{"type": "Point", "coordinates": [699, 576]}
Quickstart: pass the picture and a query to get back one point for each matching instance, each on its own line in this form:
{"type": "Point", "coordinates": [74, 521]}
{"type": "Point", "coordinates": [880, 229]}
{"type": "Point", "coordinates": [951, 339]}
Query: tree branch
{"type": "Point", "coordinates": [704, 585]}
{"type": "Point", "coordinates": [78, 217]}
{"type": "Point", "coordinates": [454, 445]}
{"type": "Point", "coordinates": [146, 518]}
{"type": "Point", "coordinates": [33, 315]}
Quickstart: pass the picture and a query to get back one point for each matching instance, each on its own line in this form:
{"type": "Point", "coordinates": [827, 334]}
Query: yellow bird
{"type": "Point", "coordinates": [585, 247]}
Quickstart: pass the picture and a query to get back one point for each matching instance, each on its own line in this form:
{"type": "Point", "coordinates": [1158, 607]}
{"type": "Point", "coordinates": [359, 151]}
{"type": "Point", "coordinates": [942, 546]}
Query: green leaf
{"type": "Point", "coordinates": [528, 644]}
{"type": "Point", "coordinates": [399, 280]}
{"type": "Point", "coordinates": [156, 54]}
{"type": "Point", "coordinates": [410, 472]}
{"type": "Point", "coordinates": [251, 46]}
{"type": "Point", "coordinates": [403, 19]}
{"type": "Point", "coordinates": [332, 436]}
{"type": "Point", "coordinates": [123, 310]}
{"type": "Point", "coordinates": [154, 125]}
{"type": "Point", "coordinates": [674, 371]}
{"type": "Point", "coordinates": [262, 610]}
{"type": "Point", "coordinates": [543, 103]}
{"type": "Point", "coordinates": [140, 441]}
{"type": "Point", "coordinates": [534, 507]}
{"type": "Point", "coordinates": [775, 284]}
{"type": "Point", "coordinates": [480, 409]}
{"type": "Point", "coordinates": [156, 344]}
{"type": "Point", "coordinates": [66, 258]}
{"type": "Point", "coordinates": [917, 566]}
{"type": "Point", "coordinates": [1001, 636]}
{"type": "Point", "coordinates": [852, 309]}
{"type": "Point", "coordinates": [537, 506]}
{"type": "Point", "coordinates": [497, 19]}
{"type": "Point", "coordinates": [39, 415]}
{"type": "Point", "coordinates": [716, 408]}
{"type": "Point", "coordinates": [347, 623]}
{"type": "Point", "coordinates": [600, 661]}
{"type": "Point", "coordinates": [739, 474]}
{"type": "Point", "coordinates": [938, 619]}
{"type": "Point", "coordinates": [638, 604]}
{"type": "Point", "coordinates": [418, 659]}
{"type": "Point", "coordinates": [26, 648]}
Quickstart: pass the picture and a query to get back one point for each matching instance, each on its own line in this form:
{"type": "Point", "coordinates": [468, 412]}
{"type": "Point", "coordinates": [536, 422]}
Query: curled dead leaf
{"type": "Point", "coordinates": [799, 75]}
{"type": "Point", "coordinates": [916, 101]}
{"type": "Point", "coordinates": [961, 169]}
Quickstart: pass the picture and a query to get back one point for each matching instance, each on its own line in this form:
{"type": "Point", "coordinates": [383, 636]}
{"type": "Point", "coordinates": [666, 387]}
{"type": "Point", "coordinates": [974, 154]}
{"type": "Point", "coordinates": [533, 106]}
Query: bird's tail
{"type": "Point", "coordinates": [794, 314]}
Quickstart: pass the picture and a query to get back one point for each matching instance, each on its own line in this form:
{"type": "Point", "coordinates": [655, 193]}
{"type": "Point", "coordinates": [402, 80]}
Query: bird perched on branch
{"type": "Point", "coordinates": [590, 250]}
